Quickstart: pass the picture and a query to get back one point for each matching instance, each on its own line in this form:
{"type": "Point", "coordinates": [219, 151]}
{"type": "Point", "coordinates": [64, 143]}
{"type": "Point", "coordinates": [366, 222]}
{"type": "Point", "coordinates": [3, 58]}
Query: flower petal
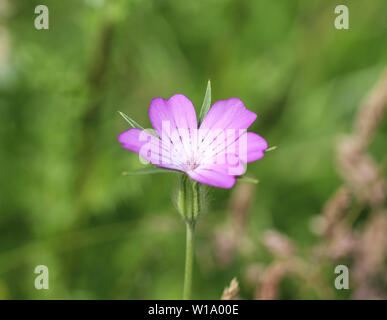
{"type": "Point", "coordinates": [256, 146]}
{"type": "Point", "coordinates": [148, 147]}
{"type": "Point", "coordinates": [245, 146]}
{"type": "Point", "coordinates": [178, 111]}
{"type": "Point", "coordinates": [174, 120]}
{"type": "Point", "coordinates": [223, 142]}
{"type": "Point", "coordinates": [215, 176]}
{"type": "Point", "coordinates": [228, 114]}
{"type": "Point", "coordinates": [229, 163]}
{"type": "Point", "coordinates": [130, 140]}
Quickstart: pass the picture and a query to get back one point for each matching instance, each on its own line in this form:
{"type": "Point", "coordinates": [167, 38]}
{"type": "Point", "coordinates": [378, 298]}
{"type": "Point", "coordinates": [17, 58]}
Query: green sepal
{"type": "Point", "coordinates": [129, 120]}
{"type": "Point", "coordinates": [190, 199]}
{"type": "Point", "coordinates": [149, 170]}
{"type": "Point", "coordinates": [248, 179]}
{"type": "Point", "coordinates": [271, 149]}
{"type": "Point", "coordinates": [206, 103]}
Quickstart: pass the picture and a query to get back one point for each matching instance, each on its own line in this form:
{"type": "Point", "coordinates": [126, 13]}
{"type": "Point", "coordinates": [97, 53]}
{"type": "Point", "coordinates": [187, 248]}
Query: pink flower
{"type": "Point", "coordinates": [214, 153]}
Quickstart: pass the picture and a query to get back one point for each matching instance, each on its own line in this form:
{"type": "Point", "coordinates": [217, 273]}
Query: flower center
{"type": "Point", "coordinates": [190, 165]}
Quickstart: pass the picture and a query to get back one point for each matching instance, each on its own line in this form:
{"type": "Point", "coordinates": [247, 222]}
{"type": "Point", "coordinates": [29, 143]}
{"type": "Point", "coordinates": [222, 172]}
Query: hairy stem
{"type": "Point", "coordinates": [189, 203]}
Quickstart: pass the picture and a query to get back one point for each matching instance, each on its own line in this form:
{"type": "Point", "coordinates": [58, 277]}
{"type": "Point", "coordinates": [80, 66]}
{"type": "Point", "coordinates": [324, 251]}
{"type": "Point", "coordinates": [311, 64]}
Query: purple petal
{"type": "Point", "coordinates": [256, 145]}
{"type": "Point", "coordinates": [174, 120]}
{"type": "Point", "coordinates": [216, 176]}
{"type": "Point", "coordinates": [228, 114]}
{"type": "Point", "coordinates": [222, 142]}
{"type": "Point", "coordinates": [148, 147]}
{"type": "Point", "coordinates": [130, 140]}
{"type": "Point", "coordinates": [178, 111]}
{"type": "Point", "coordinates": [243, 146]}
{"type": "Point", "coordinates": [227, 163]}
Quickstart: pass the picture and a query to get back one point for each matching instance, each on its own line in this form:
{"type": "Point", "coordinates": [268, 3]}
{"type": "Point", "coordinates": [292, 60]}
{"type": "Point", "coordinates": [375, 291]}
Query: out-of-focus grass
{"type": "Point", "coordinates": [64, 202]}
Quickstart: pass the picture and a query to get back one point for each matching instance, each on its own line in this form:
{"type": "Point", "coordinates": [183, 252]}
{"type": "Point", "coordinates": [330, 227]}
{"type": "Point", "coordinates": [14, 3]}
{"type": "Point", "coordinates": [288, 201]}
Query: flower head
{"type": "Point", "coordinates": [213, 152]}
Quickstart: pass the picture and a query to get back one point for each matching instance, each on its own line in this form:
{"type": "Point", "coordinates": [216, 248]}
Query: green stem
{"type": "Point", "coordinates": [189, 203]}
{"type": "Point", "coordinates": [189, 257]}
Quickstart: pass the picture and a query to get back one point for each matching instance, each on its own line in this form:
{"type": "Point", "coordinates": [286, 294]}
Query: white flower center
{"type": "Point", "coordinates": [190, 165]}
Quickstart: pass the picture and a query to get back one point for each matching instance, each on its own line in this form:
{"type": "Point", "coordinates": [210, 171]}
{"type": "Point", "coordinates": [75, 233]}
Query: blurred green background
{"type": "Point", "coordinates": [64, 202]}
